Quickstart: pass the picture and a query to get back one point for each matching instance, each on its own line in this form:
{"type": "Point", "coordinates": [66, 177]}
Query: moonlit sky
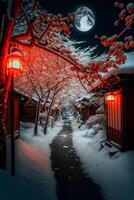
{"type": "Point", "coordinates": [105, 15]}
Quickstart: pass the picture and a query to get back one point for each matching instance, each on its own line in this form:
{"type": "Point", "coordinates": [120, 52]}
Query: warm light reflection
{"type": "Point", "coordinates": [110, 97]}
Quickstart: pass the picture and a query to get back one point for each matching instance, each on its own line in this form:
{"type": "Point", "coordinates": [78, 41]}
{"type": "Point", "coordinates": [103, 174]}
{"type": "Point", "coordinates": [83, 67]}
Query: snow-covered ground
{"type": "Point", "coordinates": [114, 174]}
{"type": "Point", "coordinates": [34, 177]}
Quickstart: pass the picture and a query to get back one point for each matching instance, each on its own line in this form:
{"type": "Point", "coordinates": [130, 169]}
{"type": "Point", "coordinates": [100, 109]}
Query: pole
{"type": "Point", "coordinates": [12, 126]}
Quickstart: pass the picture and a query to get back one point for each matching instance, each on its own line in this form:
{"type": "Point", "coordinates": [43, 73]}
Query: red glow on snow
{"type": "Point", "coordinates": [31, 154]}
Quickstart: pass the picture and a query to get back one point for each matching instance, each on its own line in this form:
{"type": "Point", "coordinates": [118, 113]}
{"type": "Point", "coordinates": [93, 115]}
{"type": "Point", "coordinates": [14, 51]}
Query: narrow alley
{"type": "Point", "coordinates": [72, 182]}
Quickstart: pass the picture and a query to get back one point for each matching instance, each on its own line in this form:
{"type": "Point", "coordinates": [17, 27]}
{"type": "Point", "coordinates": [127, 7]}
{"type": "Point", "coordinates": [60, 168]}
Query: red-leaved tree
{"type": "Point", "coordinates": [94, 74]}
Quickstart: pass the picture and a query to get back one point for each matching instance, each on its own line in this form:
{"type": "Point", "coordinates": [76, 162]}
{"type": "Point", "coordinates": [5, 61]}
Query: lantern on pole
{"type": "Point", "coordinates": [14, 64]}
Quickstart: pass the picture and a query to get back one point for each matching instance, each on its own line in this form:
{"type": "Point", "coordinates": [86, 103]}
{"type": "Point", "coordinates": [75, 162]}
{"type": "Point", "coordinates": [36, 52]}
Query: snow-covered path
{"type": "Point", "coordinates": [114, 174]}
{"type": "Point", "coordinates": [70, 157]}
{"type": "Point", "coordinates": [72, 182]}
{"type": "Point", "coordinates": [34, 176]}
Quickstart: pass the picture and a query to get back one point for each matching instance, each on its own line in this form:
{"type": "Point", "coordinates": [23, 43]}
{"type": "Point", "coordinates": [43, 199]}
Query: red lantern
{"type": "Point", "coordinates": [110, 97]}
{"type": "Point", "coordinates": [15, 62]}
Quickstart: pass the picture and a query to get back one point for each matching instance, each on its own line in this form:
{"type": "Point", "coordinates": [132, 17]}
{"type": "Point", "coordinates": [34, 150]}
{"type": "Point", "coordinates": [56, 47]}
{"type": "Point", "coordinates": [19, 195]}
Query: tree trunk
{"type": "Point", "coordinates": [4, 48]}
{"type": "Point", "coordinates": [3, 112]}
{"type": "Point", "coordinates": [43, 109]}
{"type": "Point", "coordinates": [2, 139]}
{"type": "Point", "coordinates": [44, 105]}
{"type": "Point", "coordinates": [48, 115]}
{"type": "Point", "coordinates": [49, 111]}
{"type": "Point", "coordinates": [3, 104]}
{"type": "Point", "coordinates": [35, 131]}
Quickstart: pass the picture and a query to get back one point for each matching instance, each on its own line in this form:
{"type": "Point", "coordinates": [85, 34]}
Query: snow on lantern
{"type": "Point", "coordinates": [15, 61]}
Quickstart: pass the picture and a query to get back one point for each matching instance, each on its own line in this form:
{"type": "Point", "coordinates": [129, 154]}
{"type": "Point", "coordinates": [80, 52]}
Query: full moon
{"type": "Point", "coordinates": [84, 19]}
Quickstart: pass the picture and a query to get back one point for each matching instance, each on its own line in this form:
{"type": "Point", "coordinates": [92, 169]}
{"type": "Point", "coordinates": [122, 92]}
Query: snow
{"type": "Point", "coordinates": [115, 174]}
{"type": "Point", "coordinates": [34, 176]}
{"type": "Point", "coordinates": [84, 97]}
{"type": "Point", "coordinates": [128, 67]}
{"type": "Point", "coordinates": [10, 188]}
{"type": "Point", "coordinates": [90, 132]}
{"type": "Point", "coordinates": [95, 119]}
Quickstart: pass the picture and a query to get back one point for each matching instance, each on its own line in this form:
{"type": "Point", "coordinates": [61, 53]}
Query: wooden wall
{"type": "Point", "coordinates": [120, 120]}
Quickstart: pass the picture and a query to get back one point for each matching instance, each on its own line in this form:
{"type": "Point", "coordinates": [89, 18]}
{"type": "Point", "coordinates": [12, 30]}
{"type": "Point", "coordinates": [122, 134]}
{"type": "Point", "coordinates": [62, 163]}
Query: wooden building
{"type": "Point", "coordinates": [85, 108]}
{"type": "Point", "coordinates": [120, 110]}
{"type": "Point", "coordinates": [84, 111]}
{"type": "Point", "coordinates": [27, 109]}
{"type": "Point", "coordinates": [24, 110]}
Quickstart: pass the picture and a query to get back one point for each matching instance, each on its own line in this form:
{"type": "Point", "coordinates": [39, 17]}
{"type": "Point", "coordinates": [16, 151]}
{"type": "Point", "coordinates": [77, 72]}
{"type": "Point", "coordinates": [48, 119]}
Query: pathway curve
{"type": "Point", "coordinates": [72, 182]}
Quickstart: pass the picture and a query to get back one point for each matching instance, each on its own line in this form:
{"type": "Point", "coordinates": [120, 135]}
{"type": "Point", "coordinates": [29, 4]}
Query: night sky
{"type": "Point", "coordinates": [104, 11]}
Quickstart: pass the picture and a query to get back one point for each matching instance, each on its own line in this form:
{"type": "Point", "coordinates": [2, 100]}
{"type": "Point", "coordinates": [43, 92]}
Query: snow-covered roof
{"type": "Point", "coordinates": [26, 95]}
{"type": "Point", "coordinates": [128, 67]}
{"type": "Point", "coordinates": [85, 97]}
{"type": "Point", "coordinates": [93, 99]}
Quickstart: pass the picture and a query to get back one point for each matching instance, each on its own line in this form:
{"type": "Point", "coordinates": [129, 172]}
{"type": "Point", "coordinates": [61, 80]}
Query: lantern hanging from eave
{"type": "Point", "coordinates": [110, 97]}
{"type": "Point", "coordinates": [15, 62]}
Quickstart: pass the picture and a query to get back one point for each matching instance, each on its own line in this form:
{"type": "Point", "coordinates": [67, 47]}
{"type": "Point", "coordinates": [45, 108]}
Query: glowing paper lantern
{"type": "Point", "coordinates": [110, 97]}
{"type": "Point", "coordinates": [15, 62]}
